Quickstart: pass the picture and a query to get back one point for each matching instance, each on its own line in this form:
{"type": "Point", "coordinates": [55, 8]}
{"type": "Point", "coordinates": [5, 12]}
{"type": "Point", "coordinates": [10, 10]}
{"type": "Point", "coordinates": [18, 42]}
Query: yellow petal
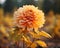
{"type": "Point", "coordinates": [41, 43]}
{"type": "Point", "coordinates": [34, 45]}
{"type": "Point", "coordinates": [34, 35]}
{"type": "Point", "coordinates": [44, 34]}
{"type": "Point", "coordinates": [28, 38]}
{"type": "Point", "coordinates": [27, 41]}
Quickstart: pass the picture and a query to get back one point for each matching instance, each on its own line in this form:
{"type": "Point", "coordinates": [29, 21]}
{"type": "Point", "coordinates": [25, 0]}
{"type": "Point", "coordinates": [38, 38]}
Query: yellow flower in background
{"type": "Point", "coordinates": [29, 16]}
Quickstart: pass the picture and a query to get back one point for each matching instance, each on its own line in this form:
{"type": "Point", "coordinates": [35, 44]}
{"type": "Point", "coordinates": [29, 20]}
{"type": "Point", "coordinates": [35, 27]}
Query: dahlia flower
{"type": "Point", "coordinates": [29, 17]}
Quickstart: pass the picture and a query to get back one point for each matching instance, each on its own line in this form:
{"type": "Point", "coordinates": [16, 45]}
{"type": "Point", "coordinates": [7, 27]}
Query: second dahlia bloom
{"type": "Point", "coordinates": [29, 16]}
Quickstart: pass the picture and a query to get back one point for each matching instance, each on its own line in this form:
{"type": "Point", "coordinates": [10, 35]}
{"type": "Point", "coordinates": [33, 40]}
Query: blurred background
{"type": "Point", "coordinates": [51, 8]}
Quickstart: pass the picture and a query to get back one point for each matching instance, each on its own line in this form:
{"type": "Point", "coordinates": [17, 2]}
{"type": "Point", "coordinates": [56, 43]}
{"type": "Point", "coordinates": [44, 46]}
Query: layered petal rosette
{"type": "Point", "coordinates": [29, 16]}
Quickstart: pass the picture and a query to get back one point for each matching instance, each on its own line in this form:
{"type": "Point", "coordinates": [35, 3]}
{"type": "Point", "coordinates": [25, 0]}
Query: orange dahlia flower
{"type": "Point", "coordinates": [29, 16]}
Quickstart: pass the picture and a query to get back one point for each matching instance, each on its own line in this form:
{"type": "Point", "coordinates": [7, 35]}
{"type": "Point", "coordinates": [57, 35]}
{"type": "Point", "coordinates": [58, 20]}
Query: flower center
{"type": "Point", "coordinates": [27, 18]}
